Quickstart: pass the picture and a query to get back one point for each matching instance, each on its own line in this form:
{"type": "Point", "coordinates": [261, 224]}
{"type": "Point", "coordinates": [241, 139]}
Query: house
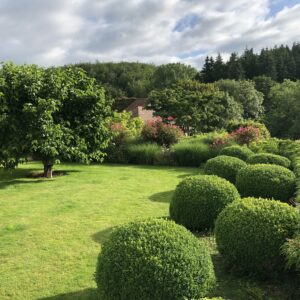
{"type": "Point", "coordinates": [136, 106]}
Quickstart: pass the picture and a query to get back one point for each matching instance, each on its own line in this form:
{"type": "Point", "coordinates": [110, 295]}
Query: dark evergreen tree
{"type": "Point", "coordinates": [219, 68]}
{"type": "Point", "coordinates": [249, 62]}
{"type": "Point", "coordinates": [207, 73]}
{"type": "Point", "coordinates": [235, 68]}
{"type": "Point", "coordinates": [267, 64]}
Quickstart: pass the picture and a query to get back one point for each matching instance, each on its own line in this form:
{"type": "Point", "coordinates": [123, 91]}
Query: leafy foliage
{"type": "Point", "coordinates": [268, 158]}
{"type": "Point", "coordinates": [166, 76]}
{"type": "Point", "coordinates": [223, 166]}
{"type": "Point", "coordinates": [199, 199]}
{"type": "Point", "coordinates": [250, 233]}
{"type": "Point", "coordinates": [153, 259]}
{"type": "Point", "coordinates": [267, 181]}
{"type": "Point", "coordinates": [283, 118]}
{"type": "Point", "coordinates": [245, 94]}
{"type": "Point", "coordinates": [196, 107]}
{"type": "Point", "coordinates": [242, 153]}
{"type": "Point", "coordinates": [291, 250]}
{"type": "Point", "coordinates": [51, 114]}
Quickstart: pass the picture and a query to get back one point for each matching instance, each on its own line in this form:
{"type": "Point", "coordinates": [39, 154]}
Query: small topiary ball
{"type": "Point", "coordinates": [242, 153]}
{"type": "Point", "coordinates": [250, 233]}
{"type": "Point", "coordinates": [268, 158]}
{"type": "Point", "coordinates": [153, 259]}
{"type": "Point", "coordinates": [198, 200]}
{"type": "Point", "coordinates": [267, 181]}
{"type": "Point", "coordinates": [224, 166]}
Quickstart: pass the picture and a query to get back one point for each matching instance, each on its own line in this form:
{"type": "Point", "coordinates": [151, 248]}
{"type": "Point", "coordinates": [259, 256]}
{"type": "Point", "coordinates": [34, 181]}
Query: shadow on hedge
{"type": "Point", "coordinates": [87, 294]}
{"type": "Point", "coordinates": [164, 197]}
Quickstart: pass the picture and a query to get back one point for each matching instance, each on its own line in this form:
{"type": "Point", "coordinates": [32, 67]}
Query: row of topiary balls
{"type": "Point", "coordinates": [158, 259]}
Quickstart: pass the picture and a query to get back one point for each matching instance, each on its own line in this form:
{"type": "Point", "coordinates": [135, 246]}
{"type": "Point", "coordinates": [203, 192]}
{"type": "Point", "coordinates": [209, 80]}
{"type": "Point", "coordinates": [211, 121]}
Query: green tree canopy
{"type": "Point", "coordinates": [169, 74]}
{"type": "Point", "coordinates": [283, 118]}
{"type": "Point", "coordinates": [245, 94]}
{"type": "Point", "coordinates": [51, 114]}
{"type": "Point", "coordinates": [196, 107]}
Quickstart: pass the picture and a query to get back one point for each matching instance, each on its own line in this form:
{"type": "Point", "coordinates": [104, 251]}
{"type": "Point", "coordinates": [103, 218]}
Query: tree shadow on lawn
{"type": "Point", "coordinates": [102, 235]}
{"type": "Point", "coordinates": [164, 197]}
{"type": "Point", "coordinates": [18, 176]}
{"type": "Point", "coordinates": [87, 294]}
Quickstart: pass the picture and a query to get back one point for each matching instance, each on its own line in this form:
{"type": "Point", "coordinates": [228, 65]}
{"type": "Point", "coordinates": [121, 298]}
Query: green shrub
{"type": "Point", "coordinates": [267, 181]}
{"type": "Point", "coordinates": [268, 158]}
{"type": "Point", "coordinates": [143, 154]}
{"type": "Point", "coordinates": [270, 145]}
{"type": "Point", "coordinates": [198, 200]}
{"type": "Point", "coordinates": [242, 153]}
{"type": "Point", "coordinates": [153, 259]}
{"type": "Point", "coordinates": [191, 154]}
{"type": "Point", "coordinates": [224, 166]}
{"type": "Point", "coordinates": [250, 233]}
{"type": "Point", "coordinates": [291, 251]}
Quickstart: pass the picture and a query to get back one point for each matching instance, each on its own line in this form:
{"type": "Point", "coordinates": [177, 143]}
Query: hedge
{"type": "Point", "coordinates": [153, 259]}
{"type": "Point", "coordinates": [198, 200]}
{"type": "Point", "coordinates": [268, 158]}
{"type": "Point", "coordinates": [241, 152]}
{"type": "Point", "coordinates": [224, 166]}
{"type": "Point", "coordinates": [250, 233]}
{"type": "Point", "coordinates": [266, 181]}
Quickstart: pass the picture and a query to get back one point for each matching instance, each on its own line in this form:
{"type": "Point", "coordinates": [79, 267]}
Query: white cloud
{"type": "Point", "coordinates": [57, 32]}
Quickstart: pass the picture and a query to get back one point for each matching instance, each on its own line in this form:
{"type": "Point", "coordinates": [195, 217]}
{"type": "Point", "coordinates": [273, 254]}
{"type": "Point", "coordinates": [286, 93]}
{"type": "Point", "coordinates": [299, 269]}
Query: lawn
{"type": "Point", "coordinates": [51, 230]}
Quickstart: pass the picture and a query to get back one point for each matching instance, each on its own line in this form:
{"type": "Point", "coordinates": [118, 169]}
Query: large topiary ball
{"type": "Point", "coordinates": [267, 181]}
{"type": "Point", "coordinates": [268, 158]}
{"type": "Point", "coordinates": [224, 166]}
{"type": "Point", "coordinates": [240, 152]}
{"type": "Point", "coordinates": [153, 259]}
{"type": "Point", "coordinates": [198, 200]}
{"type": "Point", "coordinates": [250, 233]}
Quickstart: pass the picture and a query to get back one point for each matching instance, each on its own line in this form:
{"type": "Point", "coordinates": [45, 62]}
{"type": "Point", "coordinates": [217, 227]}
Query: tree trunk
{"type": "Point", "coordinates": [48, 170]}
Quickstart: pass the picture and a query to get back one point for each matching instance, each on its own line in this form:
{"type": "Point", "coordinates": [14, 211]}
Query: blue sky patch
{"type": "Point", "coordinates": [277, 5]}
{"type": "Point", "coordinates": [188, 21]}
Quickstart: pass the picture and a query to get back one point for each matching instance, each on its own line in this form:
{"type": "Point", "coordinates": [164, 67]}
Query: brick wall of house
{"type": "Point", "coordinates": [137, 110]}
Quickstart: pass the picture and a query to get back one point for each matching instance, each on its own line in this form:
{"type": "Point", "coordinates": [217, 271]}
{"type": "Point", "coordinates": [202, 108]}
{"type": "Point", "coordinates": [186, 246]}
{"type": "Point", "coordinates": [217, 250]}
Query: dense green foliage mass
{"type": "Point", "coordinates": [244, 93]}
{"type": "Point", "coordinates": [199, 199]}
{"type": "Point", "coordinates": [283, 118]}
{"type": "Point", "coordinates": [250, 233]}
{"type": "Point", "coordinates": [269, 158]}
{"type": "Point", "coordinates": [224, 166]}
{"type": "Point", "coordinates": [242, 153]}
{"type": "Point", "coordinates": [196, 107]}
{"type": "Point", "coordinates": [122, 79]}
{"type": "Point", "coordinates": [266, 181]}
{"type": "Point", "coordinates": [291, 250]}
{"type": "Point", "coordinates": [153, 259]}
{"type": "Point", "coordinates": [51, 114]}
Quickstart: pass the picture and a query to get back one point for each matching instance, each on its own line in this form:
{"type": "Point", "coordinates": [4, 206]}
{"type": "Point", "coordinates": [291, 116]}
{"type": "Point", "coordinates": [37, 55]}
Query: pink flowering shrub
{"type": "Point", "coordinates": [157, 131]}
{"type": "Point", "coordinates": [245, 135]}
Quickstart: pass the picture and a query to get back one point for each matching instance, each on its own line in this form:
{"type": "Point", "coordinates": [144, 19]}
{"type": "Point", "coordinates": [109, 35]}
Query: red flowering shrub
{"type": "Point", "coordinates": [245, 135]}
{"type": "Point", "coordinates": [156, 131]}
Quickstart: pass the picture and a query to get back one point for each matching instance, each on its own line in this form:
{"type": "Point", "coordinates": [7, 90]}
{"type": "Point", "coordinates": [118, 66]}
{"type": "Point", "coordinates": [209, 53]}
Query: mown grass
{"type": "Point", "coordinates": [51, 230]}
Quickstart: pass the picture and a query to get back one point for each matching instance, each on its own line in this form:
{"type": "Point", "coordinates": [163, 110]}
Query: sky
{"type": "Point", "coordinates": [57, 32]}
